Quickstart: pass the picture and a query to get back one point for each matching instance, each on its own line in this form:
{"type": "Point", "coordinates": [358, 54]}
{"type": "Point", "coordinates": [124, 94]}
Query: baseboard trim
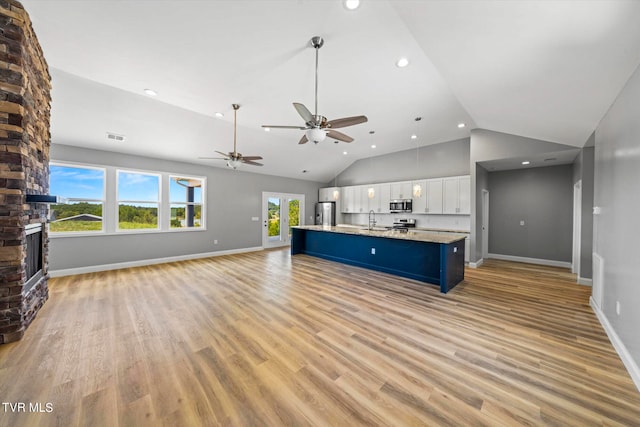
{"type": "Point", "coordinates": [585, 281]}
{"type": "Point", "coordinates": [540, 261]}
{"type": "Point", "coordinates": [477, 263]}
{"type": "Point", "coordinates": [618, 345]}
{"type": "Point", "coordinates": [144, 262]}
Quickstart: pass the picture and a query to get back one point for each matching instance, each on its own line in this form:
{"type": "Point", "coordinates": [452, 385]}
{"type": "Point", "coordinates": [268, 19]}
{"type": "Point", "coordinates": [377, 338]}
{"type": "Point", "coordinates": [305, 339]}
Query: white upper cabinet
{"type": "Point", "coordinates": [451, 195]}
{"type": "Point", "coordinates": [347, 199]}
{"type": "Point", "coordinates": [361, 202]}
{"type": "Point", "coordinates": [383, 192]}
{"type": "Point", "coordinates": [429, 199]}
{"type": "Point", "coordinates": [377, 198]}
{"type": "Point", "coordinates": [464, 193]}
{"type": "Point", "coordinates": [329, 194]}
{"type": "Point", "coordinates": [419, 196]}
{"type": "Point", "coordinates": [401, 190]}
{"type": "Point", "coordinates": [456, 195]}
{"type": "Point", "coordinates": [434, 196]}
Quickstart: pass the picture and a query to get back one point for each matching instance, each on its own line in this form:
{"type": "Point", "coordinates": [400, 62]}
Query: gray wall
{"type": "Point", "coordinates": [542, 198]}
{"type": "Point", "coordinates": [432, 161]}
{"type": "Point", "coordinates": [481, 183]}
{"type": "Point", "coordinates": [583, 171]}
{"type": "Point", "coordinates": [616, 229]}
{"type": "Point", "coordinates": [489, 145]}
{"type": "Point", "coordinates": [232, 198]}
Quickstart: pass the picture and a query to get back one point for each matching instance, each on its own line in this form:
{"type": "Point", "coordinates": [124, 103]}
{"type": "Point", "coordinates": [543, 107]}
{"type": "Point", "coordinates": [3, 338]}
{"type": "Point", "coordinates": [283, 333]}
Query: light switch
{"type": "Point", "coordinates": [373, 251]}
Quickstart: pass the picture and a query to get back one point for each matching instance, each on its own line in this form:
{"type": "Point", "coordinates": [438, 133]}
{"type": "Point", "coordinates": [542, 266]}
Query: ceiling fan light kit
{"type": "Point", "coordinates": [317, 127]}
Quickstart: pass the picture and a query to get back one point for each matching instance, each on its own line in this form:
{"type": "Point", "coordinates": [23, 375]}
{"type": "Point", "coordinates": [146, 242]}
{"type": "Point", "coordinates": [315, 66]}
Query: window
{"type": "Point", "coordinates": [138, 200]}
{"type": "Point", "coordinates": [83, 187]}
{"type": "Point", "coordinates": [185, 195]}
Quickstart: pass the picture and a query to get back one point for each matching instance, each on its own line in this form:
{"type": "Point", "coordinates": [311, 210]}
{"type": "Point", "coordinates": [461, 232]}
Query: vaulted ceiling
{"type": "Point", "coordinates": [541, 69]}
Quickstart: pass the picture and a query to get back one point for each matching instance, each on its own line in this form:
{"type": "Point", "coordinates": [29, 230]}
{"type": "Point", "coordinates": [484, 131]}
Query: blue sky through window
{"type": "Point", "coordinates": [77, 183]}
{"type": "Point", "coordinates": [138, 187]}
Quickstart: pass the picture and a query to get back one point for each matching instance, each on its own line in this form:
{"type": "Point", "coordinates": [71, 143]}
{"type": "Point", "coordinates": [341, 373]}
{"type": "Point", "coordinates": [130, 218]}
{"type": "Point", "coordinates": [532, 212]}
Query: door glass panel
{"type": "Point", "coordinates": [274, 218]}
{"type": "Point", "coordinates": [294, 214]}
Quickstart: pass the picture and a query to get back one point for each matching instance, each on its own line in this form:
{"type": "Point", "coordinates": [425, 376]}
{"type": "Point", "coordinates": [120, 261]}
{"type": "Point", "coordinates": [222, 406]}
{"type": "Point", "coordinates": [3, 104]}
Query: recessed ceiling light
{"type": "Point", "coordinates": [304, 171]}
{"type": "Point", "coordinates": [461, 125]}
{"type": "Point", "coordinates": [219, 115]}
{"type": "Point", "coordinates": [526, 162]}
{"type": "Point", "coordinates": [402, 62]}
{"type": "Point", "coordinates": [373, 146]}
{"type": "Point", "coordinates": [267, 129]}
{"type": "Point", "coordinates": [150, 92]}
{"type": "Point", "coordinates": [351, 4]}
{"type": "Point", "coordinates": [414, 136]}
{"type": "Point", "coordinates": [344, 152]}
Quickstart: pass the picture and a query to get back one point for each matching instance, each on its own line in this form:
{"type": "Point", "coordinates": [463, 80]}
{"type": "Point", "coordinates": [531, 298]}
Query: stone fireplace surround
{"type": "Point", "coordinates": [25, 87]}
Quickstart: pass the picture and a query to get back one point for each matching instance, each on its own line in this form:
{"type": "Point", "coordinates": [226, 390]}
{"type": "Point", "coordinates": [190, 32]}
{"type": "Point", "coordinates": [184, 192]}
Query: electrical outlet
{"type": "Point", "coordinates": [373, 251]}
{"type": "Point", "coordinates": [215, 242]}
{"type": "Point", "coordinates": [522, 222]}
{"type": "Point", "coordinates": [255, 218]}
{"type": "Point", "coordinates": [618, 308]}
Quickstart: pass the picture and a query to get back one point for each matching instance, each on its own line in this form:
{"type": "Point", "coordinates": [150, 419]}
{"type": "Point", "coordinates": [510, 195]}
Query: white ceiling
{"type": "Point", "coordinates": [539, 69]}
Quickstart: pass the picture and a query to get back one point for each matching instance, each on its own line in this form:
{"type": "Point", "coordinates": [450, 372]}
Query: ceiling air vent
{"type": "Point", "coordinates": [115, 137]}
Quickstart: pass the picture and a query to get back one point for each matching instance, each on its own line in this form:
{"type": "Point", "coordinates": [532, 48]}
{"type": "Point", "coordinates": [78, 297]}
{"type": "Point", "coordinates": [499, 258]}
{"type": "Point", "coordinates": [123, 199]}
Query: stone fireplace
{"type": "Point", "coordinates": [25, 87]}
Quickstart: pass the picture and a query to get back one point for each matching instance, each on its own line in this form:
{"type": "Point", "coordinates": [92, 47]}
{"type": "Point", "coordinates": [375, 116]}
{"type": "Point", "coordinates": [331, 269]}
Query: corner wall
{"type": "Point", "coordinates": [616, 229]}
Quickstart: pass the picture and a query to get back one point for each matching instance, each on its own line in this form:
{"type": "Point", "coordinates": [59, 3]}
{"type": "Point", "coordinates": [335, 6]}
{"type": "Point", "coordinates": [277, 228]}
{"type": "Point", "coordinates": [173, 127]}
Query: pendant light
{"type": "Point", "coordinates": [417, 188]}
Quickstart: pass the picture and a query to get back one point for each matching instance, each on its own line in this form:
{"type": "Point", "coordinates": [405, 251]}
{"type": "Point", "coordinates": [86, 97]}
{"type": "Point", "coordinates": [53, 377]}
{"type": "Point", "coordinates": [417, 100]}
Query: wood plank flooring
{"type": "Point", "coordinates": [265, 339]}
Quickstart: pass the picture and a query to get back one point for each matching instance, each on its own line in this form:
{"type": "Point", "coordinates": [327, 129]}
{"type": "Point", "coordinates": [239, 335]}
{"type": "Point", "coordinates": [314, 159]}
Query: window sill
{"type": "Point", "coordinates": [58, 235]}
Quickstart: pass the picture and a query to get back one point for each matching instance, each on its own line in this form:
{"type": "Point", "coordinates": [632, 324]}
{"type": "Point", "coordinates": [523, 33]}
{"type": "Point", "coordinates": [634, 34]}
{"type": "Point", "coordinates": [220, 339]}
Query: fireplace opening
{"type": "Point", "coordinates": [33, 262]}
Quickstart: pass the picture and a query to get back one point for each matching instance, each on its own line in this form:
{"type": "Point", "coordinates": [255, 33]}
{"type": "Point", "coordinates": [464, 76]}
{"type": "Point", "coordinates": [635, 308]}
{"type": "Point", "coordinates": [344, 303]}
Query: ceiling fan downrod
{"type": "Point", "coordinates": [317, 43]}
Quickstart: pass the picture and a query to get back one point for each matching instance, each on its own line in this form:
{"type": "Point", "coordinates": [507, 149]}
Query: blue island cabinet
{"type": "Point", "coordinates": [427, 261]}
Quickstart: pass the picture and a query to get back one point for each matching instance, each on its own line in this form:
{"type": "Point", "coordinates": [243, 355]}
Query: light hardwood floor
{"type": "Point", "coordinates": [265, 339]}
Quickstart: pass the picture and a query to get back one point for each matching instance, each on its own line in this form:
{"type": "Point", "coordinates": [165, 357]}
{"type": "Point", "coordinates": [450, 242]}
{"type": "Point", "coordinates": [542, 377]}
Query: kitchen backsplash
{"type": "Point", "coordinates": [441, 222]}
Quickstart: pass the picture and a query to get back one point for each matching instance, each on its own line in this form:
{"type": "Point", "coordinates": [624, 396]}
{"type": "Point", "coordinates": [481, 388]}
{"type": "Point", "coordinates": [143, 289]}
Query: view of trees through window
{"type": "Point", "coordinates": [137, 196]}
{"type": "Point", "coordinates": [138, 200]}
{"type": "Point", "coordinates": [274, 215]}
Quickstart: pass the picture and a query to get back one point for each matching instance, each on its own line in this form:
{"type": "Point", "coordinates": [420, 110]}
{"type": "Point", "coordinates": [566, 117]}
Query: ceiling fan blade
{"type": "Point", "coordinates": [249, 162]}
{"type": "Point", "coordinates": [251, 158]}
{"type": "Point", "coordinates": [223, 154]}
{"type": "Point", "coordinates": [305, 113]}
{"type": "Point", "coordinates": [213, 158]}
{"type": "Point", "coordinates": [285, 127]}
{"type": "Point", "coordinates": [303, 140]}
{"type": "Point", "coordinates": [346, 121]}
{"type": "Point", "coordinates": [339, 136]}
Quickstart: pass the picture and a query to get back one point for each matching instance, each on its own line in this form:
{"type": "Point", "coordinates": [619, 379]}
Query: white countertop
{"type": "Point", "coordinates": [418, 236]}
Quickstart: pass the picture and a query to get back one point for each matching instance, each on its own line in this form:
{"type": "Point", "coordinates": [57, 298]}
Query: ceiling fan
{"type": "Point", "coordinates": [233, 158]}
{"type": "Point", "coordinates": [318, 127]}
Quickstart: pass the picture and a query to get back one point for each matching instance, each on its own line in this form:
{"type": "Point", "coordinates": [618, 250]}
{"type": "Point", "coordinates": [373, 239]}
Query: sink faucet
{"type": "Point", "coordinates": [372, 222]}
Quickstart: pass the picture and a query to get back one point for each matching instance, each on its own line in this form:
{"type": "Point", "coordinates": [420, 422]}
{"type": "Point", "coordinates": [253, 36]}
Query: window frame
{"type": "Point", "coordinates": [111, 203]}
{"type": "Point", "coordinates": [203, 180]}
{"type": "Point", "coordinates": [119, 230]}
{"type": "Point", "coordinates": [103, 201]}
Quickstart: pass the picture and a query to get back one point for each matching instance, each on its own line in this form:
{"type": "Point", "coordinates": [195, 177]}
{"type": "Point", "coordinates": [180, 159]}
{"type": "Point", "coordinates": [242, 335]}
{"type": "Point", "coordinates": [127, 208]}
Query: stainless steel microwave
{"type": "Point", "coordinates": [401, 205]}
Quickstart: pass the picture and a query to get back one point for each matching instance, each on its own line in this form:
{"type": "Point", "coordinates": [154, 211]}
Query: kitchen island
{"type": "Point", "coordinates": [428, 257]}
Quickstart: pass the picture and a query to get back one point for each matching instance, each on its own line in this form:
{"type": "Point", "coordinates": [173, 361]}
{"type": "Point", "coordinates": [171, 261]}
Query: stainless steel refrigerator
{"type": "Point", "coordinates": [326, 213]}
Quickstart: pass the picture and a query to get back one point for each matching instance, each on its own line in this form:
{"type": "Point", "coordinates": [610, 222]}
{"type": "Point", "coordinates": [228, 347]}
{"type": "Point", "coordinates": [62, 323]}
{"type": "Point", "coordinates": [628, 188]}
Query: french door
{"type": "Point", "coordinates": [280, 212]}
